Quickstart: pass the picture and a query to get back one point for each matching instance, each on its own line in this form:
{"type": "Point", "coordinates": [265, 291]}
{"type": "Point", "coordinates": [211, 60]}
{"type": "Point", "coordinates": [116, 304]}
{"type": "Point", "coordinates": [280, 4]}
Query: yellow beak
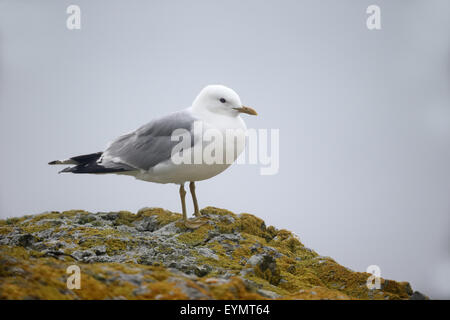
{"type": "Point", "coordinates": [247, 110]}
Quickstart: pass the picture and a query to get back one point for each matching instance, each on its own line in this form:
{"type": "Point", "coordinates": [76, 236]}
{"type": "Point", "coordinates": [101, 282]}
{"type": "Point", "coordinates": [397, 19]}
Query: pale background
{"type": "Point", "coordinates": [364, 116]}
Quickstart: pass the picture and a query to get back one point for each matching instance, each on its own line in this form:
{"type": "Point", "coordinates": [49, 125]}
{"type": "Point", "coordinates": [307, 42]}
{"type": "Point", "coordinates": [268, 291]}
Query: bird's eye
{"type": "Point", "coordinates": [223, 100]}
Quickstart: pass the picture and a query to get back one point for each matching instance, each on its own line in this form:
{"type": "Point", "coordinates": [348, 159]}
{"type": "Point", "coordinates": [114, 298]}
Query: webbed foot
{"type": "Point", "coordinates": [195, 223]}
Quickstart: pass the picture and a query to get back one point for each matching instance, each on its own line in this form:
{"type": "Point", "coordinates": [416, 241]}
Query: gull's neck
{"type": "Point", "coordinates": [218, 120]}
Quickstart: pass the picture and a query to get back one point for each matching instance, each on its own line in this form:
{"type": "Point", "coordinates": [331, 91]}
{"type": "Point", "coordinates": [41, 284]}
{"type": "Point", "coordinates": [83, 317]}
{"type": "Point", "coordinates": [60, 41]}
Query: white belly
{"type": "Point", "coordinates": [169, 172]}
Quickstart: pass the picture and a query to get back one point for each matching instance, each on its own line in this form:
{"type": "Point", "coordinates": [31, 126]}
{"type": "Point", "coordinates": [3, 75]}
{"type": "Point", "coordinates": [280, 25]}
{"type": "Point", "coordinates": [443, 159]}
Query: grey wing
{"type": "Point", "coordinates": [150, 144]}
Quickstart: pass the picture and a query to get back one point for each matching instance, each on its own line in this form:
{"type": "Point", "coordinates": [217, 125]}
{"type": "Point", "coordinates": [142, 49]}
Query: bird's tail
{"type": "Point", "coordinates": [88, 163]}
{"type": "Point", "coordinates": [79, 161]}
{"type": "Point", "coordinates": [84, 159]}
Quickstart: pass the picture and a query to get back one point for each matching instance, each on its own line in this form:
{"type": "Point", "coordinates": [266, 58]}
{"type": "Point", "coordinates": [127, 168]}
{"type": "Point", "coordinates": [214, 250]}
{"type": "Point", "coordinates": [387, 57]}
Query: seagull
{"type": "Point", "coordinates": [146, 153]}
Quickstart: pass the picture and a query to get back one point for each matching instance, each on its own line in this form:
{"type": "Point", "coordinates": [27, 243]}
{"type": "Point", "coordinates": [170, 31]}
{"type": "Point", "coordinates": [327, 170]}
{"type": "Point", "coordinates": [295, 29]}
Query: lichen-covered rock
{"type": "Point", "coordinates": [151, 255]}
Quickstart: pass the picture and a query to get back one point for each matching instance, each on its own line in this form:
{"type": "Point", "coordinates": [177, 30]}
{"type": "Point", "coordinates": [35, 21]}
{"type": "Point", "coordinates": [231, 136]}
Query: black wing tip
{"type": "Point", "coordinates": [88, 164]}
{"type": "Point", "coordinates": [68, 169]}
{"type": "Point", "coordinates": [92, 168]}
{"type": "Point", "coordinates": [79, 160]}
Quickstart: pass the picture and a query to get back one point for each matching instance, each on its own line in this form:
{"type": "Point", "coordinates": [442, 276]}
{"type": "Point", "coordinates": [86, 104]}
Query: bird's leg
{"type": "Point", "coordinates": [191, 223]}
{"type": "Point", "coordinates": [183, 202]}
{"type": "Point", "coordinates": [194, 199]}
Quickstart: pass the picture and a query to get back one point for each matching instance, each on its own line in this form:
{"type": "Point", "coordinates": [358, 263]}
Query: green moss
{"type": "Point", "coordinates": [164, 217]}
{"type": "Point", "coordinates": [264, 284]}
{"type": "Point", "coordinates": [125, 218]}
{"type": "Point", "coordinates": [268, 270]}
{"type": "Point", "coordinates": [195, 237]}
{"type": "Point", "coordinates": [252, 225]}
{"type": "Point", "coordinates": [5, 230]}
{"type": "Point", "coordinates": [217, 211]}
{"type": "Point", "coordinates": [33, 228]}
{"type": "Point", "coordinates": [91, 232]}
{"type": "Point", "coordinates": [56, 215]}
{"type": "Point", "coordinates": [113, 246]}
{"type": "Point", "coordinates": [86, 219]}
{"type": "Point", "coordinates": [11, 221]}
{"type": "Point", "coordinates": [165, 249]}
{"type": "Point", "coordinates": [234, 289]}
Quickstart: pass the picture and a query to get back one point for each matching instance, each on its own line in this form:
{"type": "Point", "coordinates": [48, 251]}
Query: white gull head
{"type": "Point", "coordinates": [221, 100]}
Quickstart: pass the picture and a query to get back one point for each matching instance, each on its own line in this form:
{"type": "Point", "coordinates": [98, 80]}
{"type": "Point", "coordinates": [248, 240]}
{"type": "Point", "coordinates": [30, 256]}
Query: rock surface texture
{"type": "Point", "coordinates": [151, 255]}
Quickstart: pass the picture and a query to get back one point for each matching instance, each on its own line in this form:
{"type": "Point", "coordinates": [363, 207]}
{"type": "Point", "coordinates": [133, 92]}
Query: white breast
{"type": "Point", "coordinates": [168, 172]}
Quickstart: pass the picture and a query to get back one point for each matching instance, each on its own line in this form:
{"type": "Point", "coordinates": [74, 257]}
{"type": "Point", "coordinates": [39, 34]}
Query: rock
{"type": "Point", "coordinates": [151, 255]}
{"type": "Point", "coordinates": [17, 271]}
{"type": "Point", "coordinates": [147, 224]}
{"type": "Point", "coordinates": [25, 240]}
{"type": "Point", "coordinates": [99, 250]}
{"type": "Point", "coordinates": [135, 279]}
{"type": "Point", "coordinates": [418, 296]}
{"type": "Point", "coordinates": [191, 291]}
{"type": "Point", "coordinates": [82, 255]}
{"type": "Point", "coordinates": [111, 216]}
{"type": "Point", "coordinates": [208, 253]}
{"type": "Point", "coordinates": [255, 260]}
{"type": "Point", "coordinates": [202, 271]}
{"type": "Point", "coordinates": [84, 219]}
{"type": "Point", "coordinates": [223, 237]}
{"type": "Point", "coordinates": [140, 291]}
{"type": "Point", "coordinates": [44, 234]}
{"type": "Point", "coordinates": [168, 230]}
{"type": "Point", "coordinates": [268, 269]}
{"type": "Point", "coordinates": [126, 229]}
{"type": "Point", "coordinates": [268, 294]}
{"type": "Point", "coordinates": [247, 271]}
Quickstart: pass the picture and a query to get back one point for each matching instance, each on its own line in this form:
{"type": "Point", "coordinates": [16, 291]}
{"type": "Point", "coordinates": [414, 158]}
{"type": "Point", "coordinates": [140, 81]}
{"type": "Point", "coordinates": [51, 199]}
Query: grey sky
{"type": "Point", "coordinates": [364, 116]}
